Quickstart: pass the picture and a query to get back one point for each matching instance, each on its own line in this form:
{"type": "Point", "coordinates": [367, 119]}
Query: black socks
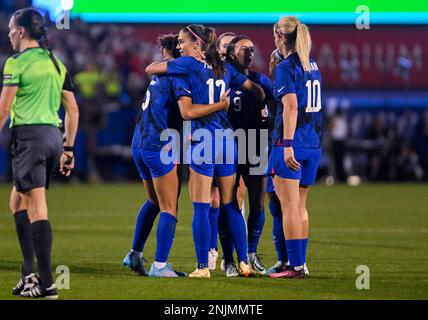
{"type": "Point", "coordinates": [42, 239]}
{"type": "Point", "coordinates": [23, 230]}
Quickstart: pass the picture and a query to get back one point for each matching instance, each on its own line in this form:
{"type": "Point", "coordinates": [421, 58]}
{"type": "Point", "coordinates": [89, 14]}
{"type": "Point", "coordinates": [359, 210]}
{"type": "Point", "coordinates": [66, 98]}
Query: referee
{"type": "Point", "coordinates": [35, 83]}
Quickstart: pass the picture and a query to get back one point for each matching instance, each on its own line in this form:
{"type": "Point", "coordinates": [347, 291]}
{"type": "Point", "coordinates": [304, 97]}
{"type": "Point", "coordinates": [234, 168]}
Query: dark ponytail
{"type": "Point", "coordinates": [32, 21]}
{"type": "Point", "coordinates": [209, 46]}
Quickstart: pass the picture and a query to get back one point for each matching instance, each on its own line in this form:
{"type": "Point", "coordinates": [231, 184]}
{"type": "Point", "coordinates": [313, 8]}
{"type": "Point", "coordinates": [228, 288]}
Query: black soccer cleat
{"type": "Point", "coordinates": [38, 292]}
{"type": "Point", "coordinates": [25, 284]}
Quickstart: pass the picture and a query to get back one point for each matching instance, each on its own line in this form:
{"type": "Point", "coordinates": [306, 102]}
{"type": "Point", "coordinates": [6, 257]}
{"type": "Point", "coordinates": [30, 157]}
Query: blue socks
{"type": "Point", "coordinates": [213, 216]}
{"type": "Point", "coordinates": [256, 221]}
{"type": "Point", "coordinates": [295, 252]}
{"type": "Point", "coordinates": [201, 232]}
{"type": "Point", "coordinates": [304, 249]}
{"type": "Point", "coordinates": [278, 232]}
{"type": "Point", "coordinates": [237, 229]}
{"type": "Point", "coordinates": [165, 236]}
{"type": "Point", "coordinates": [144, 224]}
{"type": "Point", "coordinates": [225, 238]}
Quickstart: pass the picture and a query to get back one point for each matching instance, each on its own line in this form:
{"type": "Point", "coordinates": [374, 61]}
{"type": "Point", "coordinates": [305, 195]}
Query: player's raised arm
{"type": "Point", "coordinates": [157, 68]}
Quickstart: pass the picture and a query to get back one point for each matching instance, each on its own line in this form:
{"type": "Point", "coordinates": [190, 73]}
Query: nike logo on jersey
{"type": "Point", "coordinates": [188, 91]}
{"type": "Point", "coordinates": [280, 89]}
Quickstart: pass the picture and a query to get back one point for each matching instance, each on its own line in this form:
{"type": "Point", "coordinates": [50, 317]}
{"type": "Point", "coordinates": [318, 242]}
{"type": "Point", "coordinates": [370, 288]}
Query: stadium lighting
{"type": "Point", "coordinates": [67, 5]}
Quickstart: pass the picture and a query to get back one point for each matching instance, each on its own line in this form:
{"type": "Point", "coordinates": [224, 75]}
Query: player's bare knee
{"type": "Point", "coordinates": [16, 204]}
{"type": "Point", "coordinates": [215, 202]}
{"type": "Point", "coordinates": [171, 209]}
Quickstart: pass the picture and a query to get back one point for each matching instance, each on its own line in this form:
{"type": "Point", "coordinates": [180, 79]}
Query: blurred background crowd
{"type": "Point", "coordinates": [376, 127]}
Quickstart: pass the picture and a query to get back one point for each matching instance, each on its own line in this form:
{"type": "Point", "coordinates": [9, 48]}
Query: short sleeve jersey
{"type": "Point", "coordinates": [207, 88]}
{"type": "Point", "coordinates": [244, 111]}
{"type": "Point", "coordinates": [40, 86]}
{"type": "Point", "coordinates": [290, 77]}
{"type": "Point", "coordinates": [159, 111]}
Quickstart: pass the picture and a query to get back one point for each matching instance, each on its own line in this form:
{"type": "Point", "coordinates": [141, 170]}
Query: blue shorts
{"type": "Point", "coordinates": [149, 163]}
{"type": "Point", "coordinates": [309, 159]}
{"type": "Point", "coordinates": [219, 164]}
{"type": "Point", "coordinates": [269, 185]}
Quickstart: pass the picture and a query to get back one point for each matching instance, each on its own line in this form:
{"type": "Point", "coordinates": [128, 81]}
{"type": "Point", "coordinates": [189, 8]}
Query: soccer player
{"type": "Point", "coordinates": [34, 84]}
{"type": "Point", "coordinates": [245, 113]}
{"type": "Point", "coordinates": [222, 44]}
{"type": "Point", "coordinates": [209, 77]}
{"type": "Point", "coordinates": [161, 113]}
{"type": "Point", "coordinates": [297, 135]}
{"type": "Point", "coordinates": [273, 201]}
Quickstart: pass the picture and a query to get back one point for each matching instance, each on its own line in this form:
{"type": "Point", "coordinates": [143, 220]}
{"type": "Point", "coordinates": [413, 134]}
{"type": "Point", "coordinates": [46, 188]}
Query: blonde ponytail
{"type": "Point", "coordinates": [303, 45]}
{"type": "Point", "coordinates": [297, 38]}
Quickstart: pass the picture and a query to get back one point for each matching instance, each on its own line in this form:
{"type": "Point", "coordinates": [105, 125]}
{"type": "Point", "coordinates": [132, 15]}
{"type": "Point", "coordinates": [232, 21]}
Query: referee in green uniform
{"type": "Point", "coordinates": [35, 83]}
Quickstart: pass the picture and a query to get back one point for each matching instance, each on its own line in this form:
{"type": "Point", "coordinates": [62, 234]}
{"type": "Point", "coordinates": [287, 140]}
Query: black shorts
{"type": "Point", "coordinates": [35, 154]}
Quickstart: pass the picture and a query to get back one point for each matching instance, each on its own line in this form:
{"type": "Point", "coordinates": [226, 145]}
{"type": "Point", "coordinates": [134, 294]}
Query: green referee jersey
{"type": "Point", "coordinates": [38, 98]}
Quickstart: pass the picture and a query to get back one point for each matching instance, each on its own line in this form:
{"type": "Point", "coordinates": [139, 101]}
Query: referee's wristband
{"type": "Point", "coordinates": [68, 149]}
{"type": "Point", "coordinates": [287, 143]}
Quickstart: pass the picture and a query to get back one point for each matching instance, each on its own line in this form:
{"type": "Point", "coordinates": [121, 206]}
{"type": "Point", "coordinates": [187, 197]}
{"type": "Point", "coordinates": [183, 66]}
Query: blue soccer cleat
{"type": "Point", "coordinates": [165, 272]}
{"type": "Point", "coordinates": [135, 262]}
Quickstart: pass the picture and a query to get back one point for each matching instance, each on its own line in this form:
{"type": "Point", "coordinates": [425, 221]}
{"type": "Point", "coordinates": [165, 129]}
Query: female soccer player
{"type": "Point", "coordinates": [245, 113]}
{"type": "Point", "coordinates": [274, 203]}
{"type": "Point", "coordinates": [160, 114]}
{"type": "Point", "coordinates": [209, 77]}
{"type": "Point", "coordinates": [222, 44]}
{"type": "Point", "coordinates": [34, 84]}
{"type": "Point", "coordinates": [297, 134]}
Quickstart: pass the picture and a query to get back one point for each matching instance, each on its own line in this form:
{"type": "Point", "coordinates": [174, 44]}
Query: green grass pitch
{"type": "Point", "coordinates": [382, 226]}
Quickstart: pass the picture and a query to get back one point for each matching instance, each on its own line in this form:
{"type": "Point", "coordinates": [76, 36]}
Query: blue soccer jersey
{"type": "Point", "coordinates": [244, 111]}
{"type": "Point", "coordinates": [159, 111]}
{"type": "Point", "coordinates": [291, 78]}
{"type": "Point", "coordinates": [207, 89]}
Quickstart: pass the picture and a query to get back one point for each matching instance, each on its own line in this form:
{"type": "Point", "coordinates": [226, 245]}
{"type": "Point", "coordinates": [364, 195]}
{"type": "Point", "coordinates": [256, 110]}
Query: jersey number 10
{"type": "Point", "coordinates": [314, 96]}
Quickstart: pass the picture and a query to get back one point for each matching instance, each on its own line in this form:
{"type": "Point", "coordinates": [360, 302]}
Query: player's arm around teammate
{"type": "Point", "coordinates": [33, 96]}
{"type": "Point", "coordinates": [196, 41]}
{"type": "Point", "coordinates": [166, 98]}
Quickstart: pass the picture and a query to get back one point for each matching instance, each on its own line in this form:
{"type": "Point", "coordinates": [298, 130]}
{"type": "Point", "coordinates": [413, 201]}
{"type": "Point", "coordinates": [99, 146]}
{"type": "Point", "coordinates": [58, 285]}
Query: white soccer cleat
{"type": "Point", "coordinates": [222, 265]}
{"type": "Point", "coordinates": [212, 259]}
{"type": "Point", "coordinates": [305, 268]}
